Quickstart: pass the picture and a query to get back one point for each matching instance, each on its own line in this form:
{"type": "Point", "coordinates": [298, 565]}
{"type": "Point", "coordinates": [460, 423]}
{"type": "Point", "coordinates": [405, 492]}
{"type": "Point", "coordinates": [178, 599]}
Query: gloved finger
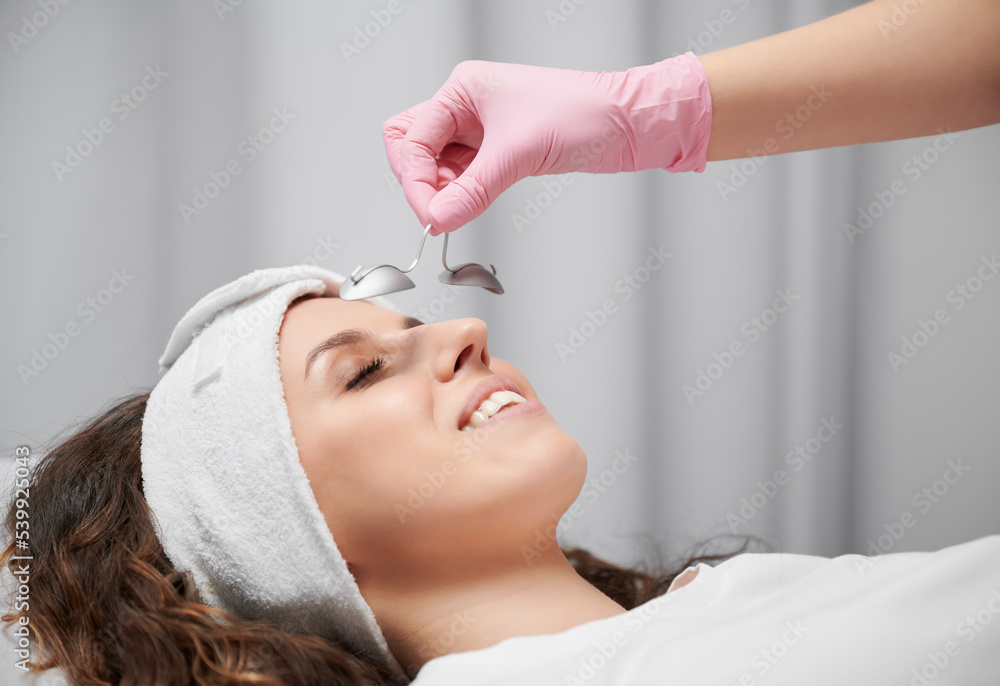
{"type": "Point", "coordinates": [446, 174]}
{"type": "Point", "coordinates": [393, 132]}
{"type": "Point", "coordinates": [453, 161]}
{"type": "Point", "coordinates": [489, 174]}
{"type": "Point", "coordinates": [426, 136]}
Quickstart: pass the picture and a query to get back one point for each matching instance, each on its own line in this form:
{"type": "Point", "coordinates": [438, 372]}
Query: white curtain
{"type": "Point", "coordinates": [116, 114]}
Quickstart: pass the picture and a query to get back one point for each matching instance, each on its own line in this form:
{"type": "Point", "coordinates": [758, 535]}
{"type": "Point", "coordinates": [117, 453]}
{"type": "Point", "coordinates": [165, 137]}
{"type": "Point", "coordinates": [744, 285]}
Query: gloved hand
{"type": "Point", "coordinates": [492, 124]}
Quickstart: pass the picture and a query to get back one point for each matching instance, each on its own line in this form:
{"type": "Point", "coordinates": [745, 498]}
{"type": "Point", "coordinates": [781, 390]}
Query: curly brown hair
{"type": "Point", "coordinates": [107, 606]}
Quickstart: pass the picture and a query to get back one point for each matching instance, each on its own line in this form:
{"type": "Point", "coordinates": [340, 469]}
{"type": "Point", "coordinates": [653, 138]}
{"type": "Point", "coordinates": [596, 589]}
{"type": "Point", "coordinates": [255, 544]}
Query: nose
{"type": "Point", "coordinates": [458, 344]}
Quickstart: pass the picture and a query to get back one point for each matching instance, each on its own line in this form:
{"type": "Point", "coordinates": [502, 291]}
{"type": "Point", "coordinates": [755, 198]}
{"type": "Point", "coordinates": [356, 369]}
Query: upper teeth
{"type": "Point", "coordinates": [491, 406]}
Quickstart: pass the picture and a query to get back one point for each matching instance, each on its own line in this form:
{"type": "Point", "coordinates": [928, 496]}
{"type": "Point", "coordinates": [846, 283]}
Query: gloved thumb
{"type": "Point", "coordinates": [490, 173]}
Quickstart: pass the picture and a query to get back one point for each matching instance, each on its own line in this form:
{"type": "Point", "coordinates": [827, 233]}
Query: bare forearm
{"type": "Point", "coordinates": [861, 76]}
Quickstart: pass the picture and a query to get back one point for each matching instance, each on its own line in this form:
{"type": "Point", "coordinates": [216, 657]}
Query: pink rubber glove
{"type": "Point", "coordinates": [492, 124]}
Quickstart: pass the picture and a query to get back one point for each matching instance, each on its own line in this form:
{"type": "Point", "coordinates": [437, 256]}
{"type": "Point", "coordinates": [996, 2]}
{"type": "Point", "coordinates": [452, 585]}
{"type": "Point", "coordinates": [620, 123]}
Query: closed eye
{"type": "Point", "coordinates": [354, 338]}
{"type": "Point", "coordinates": [375, 365]}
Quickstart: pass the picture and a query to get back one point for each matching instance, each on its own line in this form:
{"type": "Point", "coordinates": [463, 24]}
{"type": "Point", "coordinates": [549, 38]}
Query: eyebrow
{"type": "Point", "coordinates": [350, 337]}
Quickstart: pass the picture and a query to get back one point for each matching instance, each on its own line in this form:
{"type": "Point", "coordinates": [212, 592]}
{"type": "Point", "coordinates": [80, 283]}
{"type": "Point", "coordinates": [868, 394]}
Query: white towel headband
{"type": "Point", "coordinates": [222, 475]}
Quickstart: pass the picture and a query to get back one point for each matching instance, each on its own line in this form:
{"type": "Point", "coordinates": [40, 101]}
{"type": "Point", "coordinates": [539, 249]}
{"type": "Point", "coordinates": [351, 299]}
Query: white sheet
{"type": "Point", "coordinates": [913, 619]}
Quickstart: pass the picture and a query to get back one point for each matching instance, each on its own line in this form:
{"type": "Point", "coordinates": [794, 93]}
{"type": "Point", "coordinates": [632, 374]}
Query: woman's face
{"type": "Point", "coordinates": [395, 477]}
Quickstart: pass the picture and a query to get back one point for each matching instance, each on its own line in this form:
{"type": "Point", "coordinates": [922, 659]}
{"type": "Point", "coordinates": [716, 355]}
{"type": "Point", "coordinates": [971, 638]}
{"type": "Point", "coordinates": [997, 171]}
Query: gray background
{"type": "Point", "coordinates": [324, 180]}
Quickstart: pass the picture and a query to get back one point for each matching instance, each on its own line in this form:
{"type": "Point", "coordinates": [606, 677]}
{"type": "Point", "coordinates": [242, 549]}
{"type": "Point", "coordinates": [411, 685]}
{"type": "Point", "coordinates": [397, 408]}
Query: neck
{"type": "Point", "coordinates": [475, 609]}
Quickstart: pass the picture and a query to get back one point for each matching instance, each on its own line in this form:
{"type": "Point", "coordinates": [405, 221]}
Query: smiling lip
{"type": "Point", "coordinates": [483, 390]}
{"type": "Point", "coordinates": [513, 412]}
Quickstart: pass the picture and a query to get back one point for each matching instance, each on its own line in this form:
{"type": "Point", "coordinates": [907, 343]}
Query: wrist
{"type": "Point", "coordinates": [669, 108]}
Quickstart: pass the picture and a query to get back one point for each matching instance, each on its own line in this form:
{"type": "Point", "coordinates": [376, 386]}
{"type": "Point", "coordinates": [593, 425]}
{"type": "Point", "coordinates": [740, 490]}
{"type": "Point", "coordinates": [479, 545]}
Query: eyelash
{"type": "Point", "coordinates": [373, 366]}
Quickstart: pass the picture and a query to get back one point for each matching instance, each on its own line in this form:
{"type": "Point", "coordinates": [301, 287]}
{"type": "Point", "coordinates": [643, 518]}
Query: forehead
{"type": "Point", "coordinates": [311, 320]}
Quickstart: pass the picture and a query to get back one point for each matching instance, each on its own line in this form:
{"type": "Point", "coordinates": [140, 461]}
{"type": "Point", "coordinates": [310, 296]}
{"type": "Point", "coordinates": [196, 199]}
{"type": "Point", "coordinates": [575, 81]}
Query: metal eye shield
{"type": "Point", "coordinates": [385, 278]}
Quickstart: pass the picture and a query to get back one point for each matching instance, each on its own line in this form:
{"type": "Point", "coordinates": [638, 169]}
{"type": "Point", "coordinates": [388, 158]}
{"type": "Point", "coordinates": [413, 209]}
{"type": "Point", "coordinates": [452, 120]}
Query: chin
{"type": "Point", "coordinates": [578, 467]}
{"type": "Point", "coordinates": [559, 467]}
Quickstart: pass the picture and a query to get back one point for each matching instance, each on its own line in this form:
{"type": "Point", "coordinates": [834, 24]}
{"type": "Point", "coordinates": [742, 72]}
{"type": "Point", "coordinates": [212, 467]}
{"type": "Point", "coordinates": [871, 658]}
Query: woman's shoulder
{"type": "Point", "coordinates": [753, 578]}
{"type": "Point", "coordinates": [847, 599]}
{"type": "Point", "coordinates": [786, 568]}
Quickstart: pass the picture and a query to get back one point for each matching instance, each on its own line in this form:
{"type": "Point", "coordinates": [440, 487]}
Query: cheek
{"type": "Point", "coordinates": [363, 463]}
